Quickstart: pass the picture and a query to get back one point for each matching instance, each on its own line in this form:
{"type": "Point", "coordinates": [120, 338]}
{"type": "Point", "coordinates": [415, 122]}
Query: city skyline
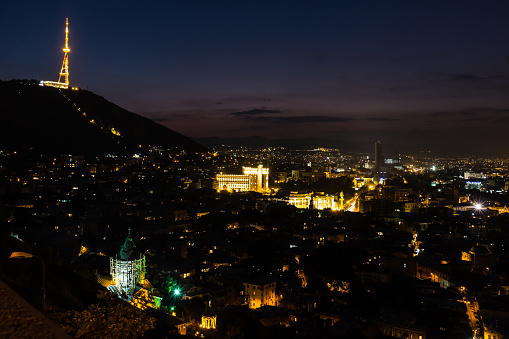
{"type": "Point", "coordinates": [419, 76]}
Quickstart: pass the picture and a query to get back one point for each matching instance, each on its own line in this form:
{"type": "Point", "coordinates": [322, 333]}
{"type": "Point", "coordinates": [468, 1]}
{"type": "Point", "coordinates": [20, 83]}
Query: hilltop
{"type": "Point", "coordinates": [51, 120]}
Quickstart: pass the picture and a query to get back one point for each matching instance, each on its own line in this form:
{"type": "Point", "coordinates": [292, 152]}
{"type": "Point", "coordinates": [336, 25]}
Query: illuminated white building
{"type": "Point", "coordinates": [252, 179]}
{"type": "Point", "coordinates": [127, 269]}
{"type": "Point", "coordinates": [260, 293]}
{"type": "Point", "coordinates": [317, 200]}
{"type": "Point", "coordinates": [233, 182]}
{"type": "Point", "coordinates": [208, 319]}
{"type": "Point", "coordinates": [300, 200]}
{"type": "Point", "coordinates": [324, 201]}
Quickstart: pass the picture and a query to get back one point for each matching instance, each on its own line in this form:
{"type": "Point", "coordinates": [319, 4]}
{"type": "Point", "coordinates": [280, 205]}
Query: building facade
{"type": "Point", "coordinates": [260, 293]}
{"type": "Point", "coordinates": [127, 269]}
{"type": "Point", "coordinates": [255, 179]}
{"type": "Point", "coordinates": [402, 331]}
{"type": "Point", "coordinates": [208, 319]}
{"type": "Point", "coordinates": [379, 166]}
{"type": "Point", "coordinates": [315, 200]}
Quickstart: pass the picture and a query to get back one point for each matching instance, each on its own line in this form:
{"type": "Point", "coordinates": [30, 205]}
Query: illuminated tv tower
{"type": "Point", "coordinates": [65, 65]}
{"type": "Point", "coordinates": [64, 72]}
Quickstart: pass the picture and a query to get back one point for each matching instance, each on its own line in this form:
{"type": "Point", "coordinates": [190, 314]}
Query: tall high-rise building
{"type": "Point", "coordinates": [397, 159]}
{"type": "Point", "coordinates": [379, 167]}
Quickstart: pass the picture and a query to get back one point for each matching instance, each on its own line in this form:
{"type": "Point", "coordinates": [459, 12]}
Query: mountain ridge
{"type": "Point", "coordinates": [76, 121]}
{"type": "Point", "coordinates": [256, 141]}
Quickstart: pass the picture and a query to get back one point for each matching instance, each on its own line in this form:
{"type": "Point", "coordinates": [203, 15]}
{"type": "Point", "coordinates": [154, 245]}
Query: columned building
{"type": "Point", "coordinates": [315, 200]}
{"type": "Point", "coordinates": [208, 319]}
{"type": "Point", "coordinates": [254, 179]}
{"type": "Point", "coordinates": [300, 200]}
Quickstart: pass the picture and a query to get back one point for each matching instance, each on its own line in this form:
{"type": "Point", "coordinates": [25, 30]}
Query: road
{"type": "Point", "coordinates": [475, 321]}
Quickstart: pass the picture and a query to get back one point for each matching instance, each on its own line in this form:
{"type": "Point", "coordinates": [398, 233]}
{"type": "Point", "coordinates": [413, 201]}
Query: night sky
{"type": "Point", "coordinates": [417, 75]}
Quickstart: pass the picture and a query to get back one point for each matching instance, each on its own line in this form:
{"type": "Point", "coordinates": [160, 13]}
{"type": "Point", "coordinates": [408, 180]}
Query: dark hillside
{"type": "Point", "coordinates": [134, 128]}
{"type": "Point", "coordinates": [65, 121]}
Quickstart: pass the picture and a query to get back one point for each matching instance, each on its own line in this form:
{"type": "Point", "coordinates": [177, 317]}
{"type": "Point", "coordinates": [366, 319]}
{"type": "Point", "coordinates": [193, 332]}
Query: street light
{"type": "Point", "coordinates": [24, 255]}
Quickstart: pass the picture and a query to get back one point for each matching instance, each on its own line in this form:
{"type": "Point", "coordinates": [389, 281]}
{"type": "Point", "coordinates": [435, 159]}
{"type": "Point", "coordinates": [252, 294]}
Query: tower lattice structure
{"type": "Point", "coordinates": [64, 71]}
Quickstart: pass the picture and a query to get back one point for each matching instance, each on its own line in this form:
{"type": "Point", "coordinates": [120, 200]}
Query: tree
{"type": "Point", "coordinates": [110, 318]}
{"type": "Point", "coordinates": [169, 285]}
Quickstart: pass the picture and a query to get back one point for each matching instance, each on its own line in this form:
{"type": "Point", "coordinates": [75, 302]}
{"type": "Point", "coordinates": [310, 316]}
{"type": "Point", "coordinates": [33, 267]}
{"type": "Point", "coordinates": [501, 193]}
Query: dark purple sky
{"type": "Point", "coordinates": [417, 75]}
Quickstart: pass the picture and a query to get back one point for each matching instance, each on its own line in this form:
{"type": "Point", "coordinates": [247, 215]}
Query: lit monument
{"type": "Point", "coordinates": [64, 71]}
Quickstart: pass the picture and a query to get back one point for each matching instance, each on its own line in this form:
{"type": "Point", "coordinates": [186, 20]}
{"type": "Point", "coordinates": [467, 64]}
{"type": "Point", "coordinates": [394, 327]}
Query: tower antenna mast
{"type": "Point", "coordinates": [65, 64]}
{"type": "Point", "coordinates": [64, 71]}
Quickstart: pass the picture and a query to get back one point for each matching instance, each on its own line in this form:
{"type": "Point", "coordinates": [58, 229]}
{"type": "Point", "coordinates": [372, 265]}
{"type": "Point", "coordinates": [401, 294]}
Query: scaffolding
{"type": "Point", "coordinates": [127, 274]}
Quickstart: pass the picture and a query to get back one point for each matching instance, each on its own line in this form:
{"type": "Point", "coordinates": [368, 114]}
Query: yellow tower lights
{"type": "Point", "coordinates": [64, 71]}
{"type": "Point", "coordinates": [65, 64]}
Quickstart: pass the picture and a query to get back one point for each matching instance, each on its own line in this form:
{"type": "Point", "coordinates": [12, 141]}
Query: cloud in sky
{"type": "Point", "coordinates": [466, 77]}
{"type": "Point", "coordinates": [304, 119]}
{"type": "Point", "coordinates": [256, 111]}
{"type": "Point", "coordinates": [501, 120]}
{"type": "Point", "coordinates": [251, 128]}
{"type": "Point", "coordinates": [439, 114]}
{"type": "Point", "coordinates": [159, 119]}
{"type": "Point", "coordinates": [318, 68]}
{"type": "Point", "coordinates": [485, 112]}
{"type": "Point", "coordinates": [262, 115]}
{"type": "Point", "coordinates": [382, 119]}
